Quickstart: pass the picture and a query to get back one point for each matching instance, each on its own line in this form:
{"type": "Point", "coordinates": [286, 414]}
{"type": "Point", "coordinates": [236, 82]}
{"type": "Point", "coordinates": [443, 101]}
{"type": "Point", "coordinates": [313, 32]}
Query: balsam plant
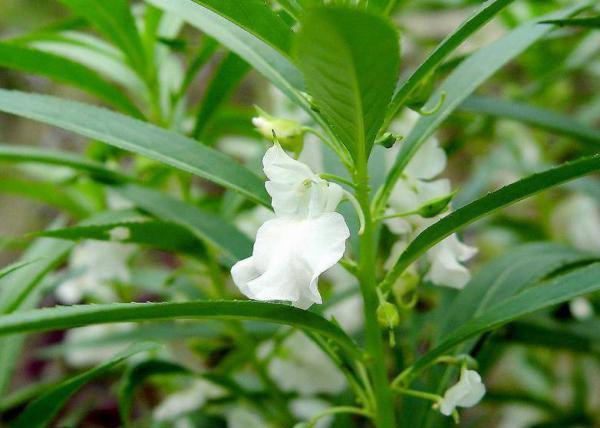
{"type": "Point", "coordinates": [361, 309]}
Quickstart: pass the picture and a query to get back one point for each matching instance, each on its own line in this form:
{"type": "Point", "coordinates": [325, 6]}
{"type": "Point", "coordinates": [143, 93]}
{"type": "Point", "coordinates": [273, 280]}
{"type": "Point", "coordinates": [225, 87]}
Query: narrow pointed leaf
{"type": "Point", "coordinates": [441, 52]}
{"type": "Point", "coordinates": [21, 291]}
{"type": "Point", "coordinates": [536, 116]}
{"type": "Point", "coordinates": [224, 81]}
{"type": "Point", "coordinates": [30, 154]}
{"type": "Point", "coordinates": [114, 20]}
{"type": "Point", "coordinates": [40, 412]}
{"type": "Point", "coordinates": [268, 61]}
{"type": "Point", "coordinates": [552, 292]}
{"type": "Point", "coordinates": [64, 70]}
{"type": "Point", "coordinates": [491, 202]}
{"type": "Point", "coordinates": [464, 80]}
{"type": "Point", "coordinates": [204, 225]}
{"type": "Point", "coordinates": [81, 315]}
{"type": "Point", "coordinates": [139, 137]}
{"type": "Point", "coordinates": [138, 228]}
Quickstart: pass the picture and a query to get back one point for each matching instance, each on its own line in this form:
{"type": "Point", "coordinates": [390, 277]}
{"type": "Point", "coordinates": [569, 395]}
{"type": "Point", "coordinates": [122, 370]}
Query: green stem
{"type": "Point", "coordinates": [419, 394]}
{"type": "Point", "coordinates": [385, 417]}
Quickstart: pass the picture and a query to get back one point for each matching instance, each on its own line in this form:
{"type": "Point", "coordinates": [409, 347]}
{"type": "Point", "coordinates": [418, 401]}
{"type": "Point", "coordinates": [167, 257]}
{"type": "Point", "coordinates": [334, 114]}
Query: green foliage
{"type": "Point", "coordinates": [40, 412]}
{"type": "Point", "coordinates": [170, 187]}
{"type": "Point", "coordinates": [350, 62]}
{"type": "Point", "coordinates": [130, 134]}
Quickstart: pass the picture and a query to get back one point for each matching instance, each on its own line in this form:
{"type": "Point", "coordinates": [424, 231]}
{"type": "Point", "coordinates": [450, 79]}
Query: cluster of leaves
{"type": "Point", "coordinates": [340, 64]}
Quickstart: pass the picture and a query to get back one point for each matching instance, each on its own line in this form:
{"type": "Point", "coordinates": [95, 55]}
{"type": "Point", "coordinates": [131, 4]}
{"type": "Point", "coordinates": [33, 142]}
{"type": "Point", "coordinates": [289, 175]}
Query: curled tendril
{"type": "Point", "coordinates": [436, 108]}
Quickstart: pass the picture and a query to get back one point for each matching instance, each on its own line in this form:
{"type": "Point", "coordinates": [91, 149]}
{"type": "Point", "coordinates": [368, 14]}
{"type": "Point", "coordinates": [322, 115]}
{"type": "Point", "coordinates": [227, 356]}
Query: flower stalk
{"type": "Point", "coordinates": [384, 412]}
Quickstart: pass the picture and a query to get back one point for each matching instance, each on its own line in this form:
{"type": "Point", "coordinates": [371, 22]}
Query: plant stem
{"type": "Point", "coordinates": [384, 415]}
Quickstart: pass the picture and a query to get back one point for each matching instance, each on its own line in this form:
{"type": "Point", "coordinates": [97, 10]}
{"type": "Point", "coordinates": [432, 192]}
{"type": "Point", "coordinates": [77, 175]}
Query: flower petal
{"type": "Point", "coordinates": [445, 260]}
{"type": "Point", "coordinates": [288, 257]}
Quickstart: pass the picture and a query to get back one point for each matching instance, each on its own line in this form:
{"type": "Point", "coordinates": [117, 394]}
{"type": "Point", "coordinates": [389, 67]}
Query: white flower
{"type": "Point", "coordinates": [288, 257]}
{"type": "Point", "coordinates": [304, 240]}
{"type": "Point", "coordinates": [242, 417]}
{"type": "Point", "coordinates": [251, 220]}
{"type": "Point", "coordinates": [306, 408]}
{"type": "Point", "coordinates": [445, 259]}
{"type": "Point", "coordinates": [416, 188]}
{"type": "Point", "coordinates": [577, 220]}
{"type": "Point", "coordinates": [296, 191]}
{"type": "Point", "coordinates": [95, 264]}
{"type": "Point", "coordinates": [581, 308]}
{"type": "Point", "coordinates": [302, 367]}
{"type": "Point", "coordinates": [186, 400]}
{"type": "Point", "coordinates": [348, 312]}
{"type": "Point", "coordinates": [466, 393]}
{"type": "Point", "coordinates": [81, 351]}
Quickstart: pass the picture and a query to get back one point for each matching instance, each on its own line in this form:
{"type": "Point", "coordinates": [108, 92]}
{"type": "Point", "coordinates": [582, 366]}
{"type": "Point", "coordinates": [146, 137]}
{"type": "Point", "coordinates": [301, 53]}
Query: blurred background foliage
{"type": "Point", "coordinates": [561, 74]}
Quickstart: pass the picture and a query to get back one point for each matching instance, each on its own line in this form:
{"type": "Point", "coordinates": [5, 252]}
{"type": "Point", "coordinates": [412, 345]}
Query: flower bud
{"type": "Point", "coordinates": [435, 206]}
{"type": "Point", "coordinates": [388, 139]}
{"type": "Point", "coordinates": [387, 315]}
{"type": "Point", "coordinates": [288, 132]}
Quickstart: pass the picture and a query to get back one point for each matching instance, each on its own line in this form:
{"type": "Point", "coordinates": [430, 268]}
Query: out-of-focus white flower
{"type": "Point", "coordinates": [242, 417]}
{"type": "Point", "coordinates": [288, 257]}
{"type": "Point", "coordinates": [187, 400]}
{"type": "Point", "coordinates": [445, 259]}
{"type": "Point", "coordinates": [95, 264]}
{"type": "Point", "coordinates": [466, 393]}
{"type": "Point", "coordinates": [577, 220]}
{"type": "Point", "coordinates": [242, 148]}
{"type": "Point", "coordinates": [520, 416]}
{"type": "Point", "coordinates": [306, 408]}
{"type": "Point", "coordinates": [296, 191]}
{"type": "Point", "coordinates": [301, 366]}
{"type": "Point", "coordinates": [83, 352]}
{"type": "Point", "coordinates": [250, 221]}
{"type": "Point", "coordinates": [581, 308]}
{"type": "Point", "coordinates": [415, 189]}
{"type": "Point", "coordinates": [119, 233]}
{"type": "Point", "coordinates": [303, 241]}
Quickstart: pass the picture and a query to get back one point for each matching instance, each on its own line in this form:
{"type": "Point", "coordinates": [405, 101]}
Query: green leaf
{"type": "Point", "coordinates": [206, 226]}
{"type": "Point", "coordinates": [92, 52]}
{"type": "Point", "coordinates": [441, 52]}
{"type": "Point", "coordinates": [64, 70]}
{"type": "Point", "coordinates": [491, 202]}
{"type": "Point", "coordinates": [549, 293]}
{"type": "Point", "coordinates": [143, 138]}
{"type": "Point", "coordinates": [350, 60]}
{"type": "Point", "coordinates": [591, 22]}
{"type": "Point", "coordinates": [535, 116]}
{"type": "Point", "coordinates": [380, 6]}
{"type": "Point", "coordinates": [7, 270]}
{"type": "Point", "coordinates": [224, 81]}
{"type": "Point", "coordinates": [29, 154]}
{"type": "Point", "coordinates": [255, 17]}
{"type": "Point", "coordinates": [261, 56]}
{"type": "Point", "coordinates": [579, 337]}
{"type": "Point", "coordinates": [48, 193]}
{"type": "Point", "coordinates": [40, 412]}
{"type": "Point", "coordinates": [462, 82]}
{"type": "Point", "coordinates": [504, 277]}
{"type": "Point", "coordinates": [136, 375]}
{"type": "Point", "coordinates": [80, 315]}
{"type": "Point", "coordinates": [114, 20]}
{"type": "Point", "coordinates": [140, 230]}
{"type": "Point", "coordinates": [22, 291]}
